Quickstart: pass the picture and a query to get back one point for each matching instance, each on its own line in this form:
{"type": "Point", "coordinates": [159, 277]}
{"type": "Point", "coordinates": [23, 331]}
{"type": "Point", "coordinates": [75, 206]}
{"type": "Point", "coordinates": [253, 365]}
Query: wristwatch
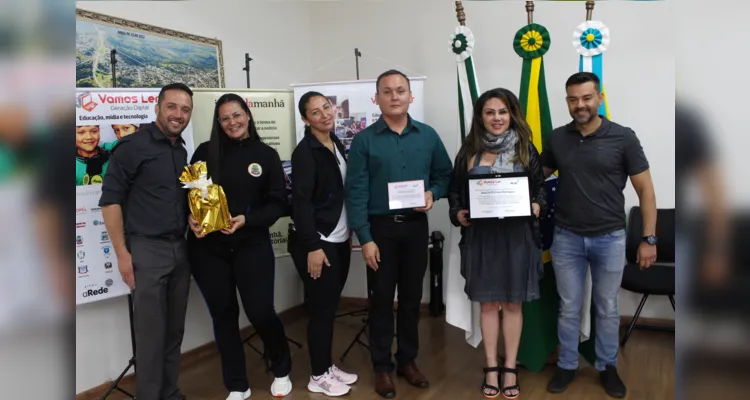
{"type": "Point", "coordinates": [651, 239]}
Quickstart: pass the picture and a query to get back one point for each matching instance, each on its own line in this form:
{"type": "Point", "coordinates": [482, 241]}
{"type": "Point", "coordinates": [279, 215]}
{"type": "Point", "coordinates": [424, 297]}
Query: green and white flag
{"type": "Point", "coordinates": [459, 310]}
{"type": "Point", "coordinates": [462, 43]}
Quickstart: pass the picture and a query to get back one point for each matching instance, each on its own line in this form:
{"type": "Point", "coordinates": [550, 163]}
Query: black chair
{"type": "Point", "coordinates": [659, 279]}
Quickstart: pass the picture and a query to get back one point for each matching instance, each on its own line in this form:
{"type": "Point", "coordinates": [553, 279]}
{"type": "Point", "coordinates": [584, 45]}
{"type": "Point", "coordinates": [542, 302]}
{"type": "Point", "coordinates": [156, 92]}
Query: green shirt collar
{"type": "Point", "coordinates": [381, 125]}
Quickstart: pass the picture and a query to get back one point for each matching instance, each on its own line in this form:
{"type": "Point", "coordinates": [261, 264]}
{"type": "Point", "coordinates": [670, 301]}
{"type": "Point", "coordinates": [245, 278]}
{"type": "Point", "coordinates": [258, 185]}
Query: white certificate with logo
{"type": "Point", "coordinates": [499, 196]}
{"type": "Point", "coordinates": [406, 194]}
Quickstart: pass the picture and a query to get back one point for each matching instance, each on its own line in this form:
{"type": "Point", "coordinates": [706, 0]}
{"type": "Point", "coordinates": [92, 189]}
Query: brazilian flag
{"type": "Point", "coordinates": [539, 335]}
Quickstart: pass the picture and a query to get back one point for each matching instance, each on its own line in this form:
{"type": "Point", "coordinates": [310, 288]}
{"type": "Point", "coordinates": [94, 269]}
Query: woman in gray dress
{"type": "Point", "coordinates": [501, 259]}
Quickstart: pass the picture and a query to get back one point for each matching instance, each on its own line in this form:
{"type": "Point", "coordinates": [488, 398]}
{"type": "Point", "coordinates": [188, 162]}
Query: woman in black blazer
{"type": "Point", "coordinates": [319, 238]}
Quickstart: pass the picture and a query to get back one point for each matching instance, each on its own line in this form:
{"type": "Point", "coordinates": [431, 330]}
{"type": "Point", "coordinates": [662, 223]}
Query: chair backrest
{"type": "Point", "coordinates": [665, 231]}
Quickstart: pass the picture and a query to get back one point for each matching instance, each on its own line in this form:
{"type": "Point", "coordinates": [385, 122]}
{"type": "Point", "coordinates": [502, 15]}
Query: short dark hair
{"type": "Point", "coordinates": [580, 78]}
{"type": "Point", "coordinates": [389, 73]}
{"type": "Point", "coordinates": [173, 86]}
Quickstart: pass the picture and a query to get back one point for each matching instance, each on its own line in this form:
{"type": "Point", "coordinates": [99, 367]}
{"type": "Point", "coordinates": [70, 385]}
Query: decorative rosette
{"type": "Point", "coordinates": [532, 41]}
{"type": "Point", "coordinates": [591, 38]}
{"type": "Point", "coordinates": [462, 43]}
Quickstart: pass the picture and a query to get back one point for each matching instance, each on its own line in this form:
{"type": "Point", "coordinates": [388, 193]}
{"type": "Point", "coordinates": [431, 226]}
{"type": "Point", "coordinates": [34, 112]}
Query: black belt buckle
{"type": "Point", "coordinates": [398, 218]}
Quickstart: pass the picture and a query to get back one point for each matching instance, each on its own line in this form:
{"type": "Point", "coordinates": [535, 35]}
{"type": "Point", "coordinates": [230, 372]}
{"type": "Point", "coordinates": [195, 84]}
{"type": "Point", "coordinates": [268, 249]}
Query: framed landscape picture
{"type": "Point", "coordinates": [147, 56]}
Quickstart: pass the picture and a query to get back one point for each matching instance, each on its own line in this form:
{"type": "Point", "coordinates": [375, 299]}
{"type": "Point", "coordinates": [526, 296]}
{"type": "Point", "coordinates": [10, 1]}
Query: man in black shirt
{"type": "Point", "coordinates": [145, 210]}
{"type": "Point", "coordinates": [595, 158]}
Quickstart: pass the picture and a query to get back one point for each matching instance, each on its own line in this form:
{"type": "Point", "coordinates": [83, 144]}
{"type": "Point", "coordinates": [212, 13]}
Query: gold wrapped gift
{"type": "Point", "coordinates": [208, 203]}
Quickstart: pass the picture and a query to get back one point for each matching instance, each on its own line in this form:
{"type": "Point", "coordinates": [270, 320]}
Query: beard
{"type": "Point", "coordinates": [584, 115]}
{"type": "Point", "coordinates": [170, 130]}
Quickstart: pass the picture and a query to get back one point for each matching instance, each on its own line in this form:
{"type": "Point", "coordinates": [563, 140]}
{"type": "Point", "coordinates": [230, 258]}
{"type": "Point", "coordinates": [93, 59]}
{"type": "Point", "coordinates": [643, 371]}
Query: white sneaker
{"type": "Point", "coordinates": [328, 384]}
{"type": "Point", "coordinates": [239, 395]}
{"type": "Point", "coordinates": [343, 377]}
{"type": "Point", "coordinates": [281, 386]}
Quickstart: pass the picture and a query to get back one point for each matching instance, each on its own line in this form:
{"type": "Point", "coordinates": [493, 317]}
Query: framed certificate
{"type": "Point", "coordinates": [503, 195]}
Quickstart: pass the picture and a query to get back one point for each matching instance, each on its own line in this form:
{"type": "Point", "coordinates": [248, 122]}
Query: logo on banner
{"type": "Point", "coordinates": [97, 292]}
{"type": "Point", "coordinates": [107, 251]}
{"type": "Point", "coordinates": [81, 225]}
{"type": "Point", "coordinates": [81, 210]}
{"type": "Point", "coordinates": [86, 102]}
{"type": "Point", "coordinates": [83, 269]}
{"type": "Point", "coordinates": [107, 265]}
{"type": "Point", "coordinates": [81, 255]}
{"type": "Point", "coordinates": [94, 209]}
{"type": "Point", "coordinates": [97, 222]}
{"type": "Point", "coordinates": [105, 236]}
{"type": "Point", "coordinates": [109, 282]}
{"type": "Point", "coordinates": [265, 104]}
{"type": "Point", "coordinates": [79, 240]}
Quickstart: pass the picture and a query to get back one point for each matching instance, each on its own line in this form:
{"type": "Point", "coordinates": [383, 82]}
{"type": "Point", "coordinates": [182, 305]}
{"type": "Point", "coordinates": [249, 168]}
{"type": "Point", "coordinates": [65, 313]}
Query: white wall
{"type": "Point", "coordinates": [275, 36]}
{"type": "Point", "coordinates": [414, 36]}
{"type": "Point", "coordinates": [314, 41]}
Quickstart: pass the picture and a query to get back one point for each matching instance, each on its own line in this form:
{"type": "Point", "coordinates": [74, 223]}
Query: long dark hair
{"type": "Point", "coordinates": [302, 106]}
{"type": "Point", "coordinates": [473, 143]}
{"type": "Point", "coordinates": [219, 139]}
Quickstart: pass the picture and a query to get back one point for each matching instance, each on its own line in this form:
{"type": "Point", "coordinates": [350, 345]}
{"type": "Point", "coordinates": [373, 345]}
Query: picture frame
{"type": "Point", "coordinates": [146, 55]}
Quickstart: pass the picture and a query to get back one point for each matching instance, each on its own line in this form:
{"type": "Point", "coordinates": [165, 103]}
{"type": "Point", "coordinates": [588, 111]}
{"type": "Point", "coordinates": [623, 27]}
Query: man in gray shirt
{"type": "Point", "coordinates": [595, 158]}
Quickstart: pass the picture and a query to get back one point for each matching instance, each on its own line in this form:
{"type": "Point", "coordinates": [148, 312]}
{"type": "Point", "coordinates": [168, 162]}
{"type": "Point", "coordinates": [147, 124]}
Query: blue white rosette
{"type": "Point", "coordinates": [462, 43]}
{"type": "Point", "coordinates": [591, 38]}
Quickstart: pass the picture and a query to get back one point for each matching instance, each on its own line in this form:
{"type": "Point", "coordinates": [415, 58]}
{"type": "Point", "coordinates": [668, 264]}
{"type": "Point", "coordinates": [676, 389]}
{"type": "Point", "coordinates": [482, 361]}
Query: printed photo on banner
{"type": "Point", "coordinates": [93, 148]}
{"type": "Point", "coordinates": [92, 155]}
{"type": "Point", "coordinates": [348, 125]}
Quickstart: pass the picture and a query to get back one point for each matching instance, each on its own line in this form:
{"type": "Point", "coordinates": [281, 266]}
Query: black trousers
{"type": "Point", "coordinates": [403, 262]}
{"type": "Point", "coordinates": [220, 269]}
{"type": "Point", "coordinates": [162, 285]}
{"type": "Point", "coordinates": [321, 297]}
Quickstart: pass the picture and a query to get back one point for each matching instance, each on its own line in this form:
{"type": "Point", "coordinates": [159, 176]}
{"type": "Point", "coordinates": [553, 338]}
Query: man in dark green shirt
{"type": "Point", "coordinates": [394, 239]}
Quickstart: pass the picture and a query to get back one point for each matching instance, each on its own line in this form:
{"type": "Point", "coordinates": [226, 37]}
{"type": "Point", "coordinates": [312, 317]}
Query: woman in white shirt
{"type": "Point", "coordinates": [319, 240]}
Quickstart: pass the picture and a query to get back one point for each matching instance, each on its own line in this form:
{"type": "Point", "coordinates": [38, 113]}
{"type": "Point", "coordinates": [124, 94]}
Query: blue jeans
{"type": "Point", "coordinates": [571, 256]}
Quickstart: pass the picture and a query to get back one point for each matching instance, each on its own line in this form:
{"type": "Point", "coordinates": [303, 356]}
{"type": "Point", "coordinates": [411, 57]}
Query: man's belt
{"type": "Point", "coordinates": [166, 238]}
{"type": "Point", "coordinates": [414, 216]}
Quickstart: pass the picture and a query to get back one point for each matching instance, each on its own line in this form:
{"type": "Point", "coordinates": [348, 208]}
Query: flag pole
{"type": "Point", "coordinates": [459, 310]}
{"type": "Point", "coordinates": [530, 11]}
{"type": "Point", "coordinates": [460, 15]}
{"type": "Point", "coordinates": [589, 9]}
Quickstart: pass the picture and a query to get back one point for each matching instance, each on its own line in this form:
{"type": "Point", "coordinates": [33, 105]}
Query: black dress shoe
{"type": "Point", "coordinates": [561, 380]}
{"type": "Point", "coordinates": [612, 383]}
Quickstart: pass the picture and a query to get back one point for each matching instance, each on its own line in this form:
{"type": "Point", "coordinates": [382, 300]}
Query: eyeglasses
{"type": "Point", "coordinates": [236, 117]}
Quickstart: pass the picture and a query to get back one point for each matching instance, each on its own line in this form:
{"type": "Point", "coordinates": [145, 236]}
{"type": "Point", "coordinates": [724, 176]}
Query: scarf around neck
{"type": "Point", "coordinates": [505, 146]}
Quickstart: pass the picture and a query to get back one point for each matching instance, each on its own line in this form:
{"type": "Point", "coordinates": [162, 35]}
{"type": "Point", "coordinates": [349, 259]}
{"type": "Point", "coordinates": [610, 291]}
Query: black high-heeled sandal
{"type": "Point", "coordinates": [486, 387]}
{"type": "Point", "coordinates": [506, 389]}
